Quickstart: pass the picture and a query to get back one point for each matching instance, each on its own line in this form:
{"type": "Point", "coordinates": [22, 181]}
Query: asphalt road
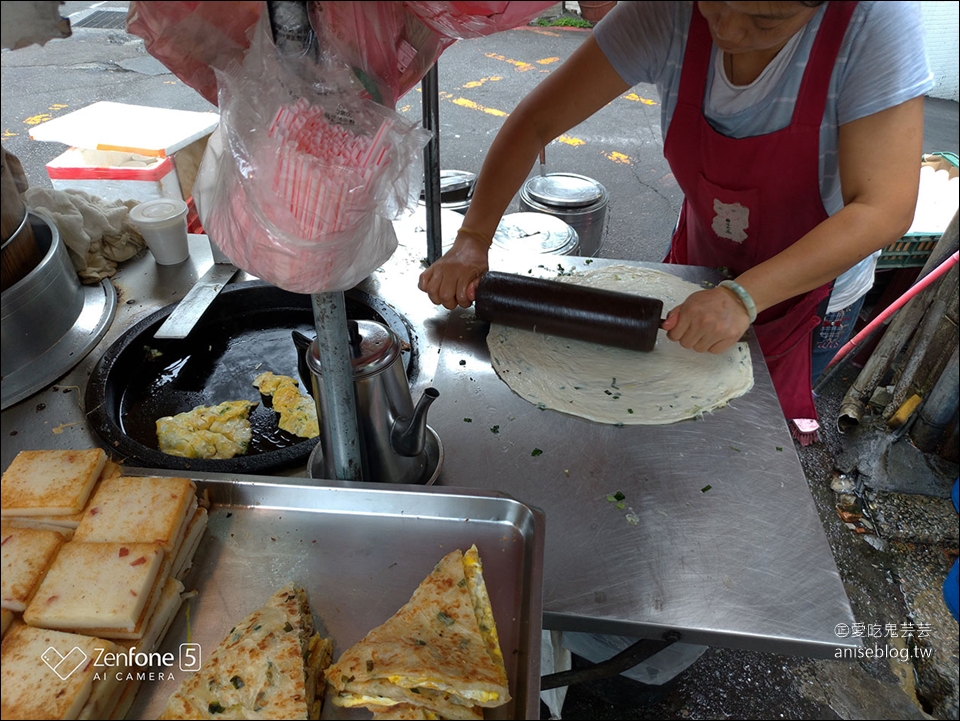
{"type": "Point", "coordinates": [480, 82]}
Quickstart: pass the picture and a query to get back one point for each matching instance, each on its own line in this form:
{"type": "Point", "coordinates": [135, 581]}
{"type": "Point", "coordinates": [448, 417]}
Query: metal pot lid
{"type": "Point", "coordinates": [535, 233]}
{"type": "Point", "coordinates": [455, 182]}
{"type": "Point", "coordinates": [564, 190]}
{"type": "Point", "coordinates": [451, 180]}
{"type": "Point", "coordinates": [411, 230]}
{"type": "Point", "coordinates": [374, 348]}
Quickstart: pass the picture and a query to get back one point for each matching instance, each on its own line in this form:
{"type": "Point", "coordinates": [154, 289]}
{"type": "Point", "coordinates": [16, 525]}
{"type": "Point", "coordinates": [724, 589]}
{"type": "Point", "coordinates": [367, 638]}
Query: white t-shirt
{"type": "Point", "coordinates": [882, 63]}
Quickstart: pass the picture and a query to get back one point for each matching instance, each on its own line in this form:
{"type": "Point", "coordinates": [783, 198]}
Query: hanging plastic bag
{"type": "Point", "coordinates": [310, 173]}
{"type": "Point", "coordinates": [460, 20]}
{"type": "Point", "coordinates": [390, 46]}
{"type": "Point", "coordinates": [192, 38]}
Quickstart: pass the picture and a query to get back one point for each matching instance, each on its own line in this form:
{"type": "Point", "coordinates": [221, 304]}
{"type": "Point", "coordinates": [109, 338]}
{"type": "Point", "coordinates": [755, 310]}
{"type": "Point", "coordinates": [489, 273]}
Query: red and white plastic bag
{"type": "Point", "coordinates": [310, 173]}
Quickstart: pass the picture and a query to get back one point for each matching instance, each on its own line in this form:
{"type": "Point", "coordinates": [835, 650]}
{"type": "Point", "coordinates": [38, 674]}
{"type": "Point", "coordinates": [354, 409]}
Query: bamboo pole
{"type": "Point", "coordinates": [921, 356]}
{"type": "Point", "coordinates": [929, 431]}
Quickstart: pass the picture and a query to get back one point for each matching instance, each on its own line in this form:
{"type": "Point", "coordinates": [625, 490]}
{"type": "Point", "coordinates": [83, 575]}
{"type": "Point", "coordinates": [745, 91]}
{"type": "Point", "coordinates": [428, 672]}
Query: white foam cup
{"type": "Point", "coordinates": [163, 225]}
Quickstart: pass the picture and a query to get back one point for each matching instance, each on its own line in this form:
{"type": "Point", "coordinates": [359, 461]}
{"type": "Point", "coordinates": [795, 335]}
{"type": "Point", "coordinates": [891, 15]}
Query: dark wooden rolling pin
{"type": "Point", "coordinates": [600, 316]}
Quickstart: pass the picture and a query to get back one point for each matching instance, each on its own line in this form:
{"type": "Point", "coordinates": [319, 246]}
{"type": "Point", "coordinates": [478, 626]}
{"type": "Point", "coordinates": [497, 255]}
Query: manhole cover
{"type": "Point", "coordinates": [103, 20]}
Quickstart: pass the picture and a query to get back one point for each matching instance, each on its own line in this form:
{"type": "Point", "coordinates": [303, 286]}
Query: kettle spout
{"type": "Point", "coordinates": [408, 435]}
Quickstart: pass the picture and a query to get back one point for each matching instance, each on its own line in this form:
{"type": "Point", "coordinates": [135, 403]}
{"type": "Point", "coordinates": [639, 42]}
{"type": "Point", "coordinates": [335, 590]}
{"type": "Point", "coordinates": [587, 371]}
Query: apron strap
{"type": "Point", "coordinates": [815, 86]}
{"type": "Point", "coordinates": [696, 61]}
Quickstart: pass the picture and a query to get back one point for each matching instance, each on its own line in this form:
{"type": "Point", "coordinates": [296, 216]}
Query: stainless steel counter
{"type": "Point", "coordinates": [745, 564]}
{"type": "Point", "coordinates": [718, 542]}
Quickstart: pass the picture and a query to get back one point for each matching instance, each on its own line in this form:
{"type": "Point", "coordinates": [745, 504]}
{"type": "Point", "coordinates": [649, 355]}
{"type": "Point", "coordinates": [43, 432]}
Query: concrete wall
{"type": "Point", "coordinates": [941, 20]}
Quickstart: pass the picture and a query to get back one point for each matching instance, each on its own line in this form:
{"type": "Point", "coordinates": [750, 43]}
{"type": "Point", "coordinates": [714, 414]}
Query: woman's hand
{"type": "Point", "coordinates": [452, 280]}
{"type": "Point", "coordinates": [709, 320]}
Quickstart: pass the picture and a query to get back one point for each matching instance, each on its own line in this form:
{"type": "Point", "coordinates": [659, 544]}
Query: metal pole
{"type": "Point", "coordinates": [430, 102]}
{"type": "Point", "coordinates": [340, 439]}
{"type": "Point", "coordinates": [939, 408]}
{"type": "Point", "coordinates": [339, 414]}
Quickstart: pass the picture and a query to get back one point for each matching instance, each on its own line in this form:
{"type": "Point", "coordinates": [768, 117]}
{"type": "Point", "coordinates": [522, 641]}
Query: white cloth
{"type": "Point", "coordinates": [654, 671]}
{"type": "Point", "coordinates": [553, 659]}
{"type": "Point", "coordinates": [98, 233]}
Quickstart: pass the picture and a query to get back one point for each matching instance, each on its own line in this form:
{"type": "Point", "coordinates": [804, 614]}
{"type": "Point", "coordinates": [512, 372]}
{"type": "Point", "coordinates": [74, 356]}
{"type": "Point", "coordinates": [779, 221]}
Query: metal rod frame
{"type": "Point", "coordinates": [430, 102]}
{"type": "Point", "coordinates": [340, 414]}
{"type": "Point", "coordinates": [626, 659]}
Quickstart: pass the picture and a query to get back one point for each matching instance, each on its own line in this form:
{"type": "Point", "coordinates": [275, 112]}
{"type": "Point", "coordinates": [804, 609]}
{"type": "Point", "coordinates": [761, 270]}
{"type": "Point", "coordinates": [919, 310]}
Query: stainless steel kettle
{"type": "Point", "coordinates": [393, 432]}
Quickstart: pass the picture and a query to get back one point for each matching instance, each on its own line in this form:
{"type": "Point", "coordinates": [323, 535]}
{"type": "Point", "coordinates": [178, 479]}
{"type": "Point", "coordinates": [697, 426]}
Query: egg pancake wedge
{"type": "Point", "coordinates": [439, 652]}
{"type": "Point", "coordinates": [269, 666]}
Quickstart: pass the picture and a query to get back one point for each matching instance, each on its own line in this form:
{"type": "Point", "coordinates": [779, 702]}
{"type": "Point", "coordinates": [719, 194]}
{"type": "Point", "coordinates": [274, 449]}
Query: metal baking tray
{"type": "Point", "coordinates": [359, 550]}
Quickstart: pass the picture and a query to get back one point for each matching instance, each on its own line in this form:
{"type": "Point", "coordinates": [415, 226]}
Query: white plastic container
{"type": "Point", "coordinates": [113, 175]}
{"type": "Point", "coordinates": [163, 224]}
{"type": "Point", "coordinates": [127, 152]}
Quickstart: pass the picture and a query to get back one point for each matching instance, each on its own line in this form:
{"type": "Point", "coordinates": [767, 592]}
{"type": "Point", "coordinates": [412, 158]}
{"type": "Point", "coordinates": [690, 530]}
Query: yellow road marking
{"type": "Point", "coordinates": [464, 103]}
{"type": "Point", "coordinates": [481, 81]}
{"type": "Point", "coordinates": [58, 106]}
{"type": "Point", "coordinates": [9, 133]}
{"type": "Point", "coordinates": [37, 119]}
{"type": "Point", "coordinates": [519, 64]}
{"type": "Point", "coordinates": [637, 99]}
{"type": "Point", "coordinates": [619, 158]}
{"type": "Point", "coordinates": [548, 61]}
{"type": "Point", "coordinates": [614, 156]}
{"type": "Point", "coordinates": [542, 31]}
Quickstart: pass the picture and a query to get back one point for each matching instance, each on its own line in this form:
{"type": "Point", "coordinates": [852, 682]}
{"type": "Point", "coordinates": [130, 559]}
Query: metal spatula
{"type": "Point", "coordinates": [195, 303]}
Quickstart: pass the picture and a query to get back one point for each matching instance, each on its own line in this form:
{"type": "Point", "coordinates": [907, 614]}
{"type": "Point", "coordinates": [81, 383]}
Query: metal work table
{"type": "Point", "coordinates": [743, 565]}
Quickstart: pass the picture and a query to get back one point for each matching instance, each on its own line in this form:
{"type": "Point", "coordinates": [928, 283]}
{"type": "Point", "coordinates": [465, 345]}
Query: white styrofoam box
{"type": "Point", "coordinates": [115, 175]}
{"type": "Point", "coordinates": [121, 151]}
{"type": "Point", "coordinates": [131, 128]}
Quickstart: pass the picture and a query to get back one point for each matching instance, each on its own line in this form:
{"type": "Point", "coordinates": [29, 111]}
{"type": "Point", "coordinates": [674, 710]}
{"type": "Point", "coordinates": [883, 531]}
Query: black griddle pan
{"type": "Point", "coordinates": [247, 330]}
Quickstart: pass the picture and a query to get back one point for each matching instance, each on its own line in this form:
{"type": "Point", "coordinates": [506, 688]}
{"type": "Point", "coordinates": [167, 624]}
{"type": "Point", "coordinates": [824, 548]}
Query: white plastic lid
{"type": "Point", "coordinates": [159, 211]}
{"type": "Point", "coordinates": [130, 128]}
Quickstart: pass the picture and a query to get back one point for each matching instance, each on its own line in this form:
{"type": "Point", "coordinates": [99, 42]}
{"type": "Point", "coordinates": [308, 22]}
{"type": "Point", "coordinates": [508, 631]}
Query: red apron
{"type": "Point", "coordinates": [747, 199]}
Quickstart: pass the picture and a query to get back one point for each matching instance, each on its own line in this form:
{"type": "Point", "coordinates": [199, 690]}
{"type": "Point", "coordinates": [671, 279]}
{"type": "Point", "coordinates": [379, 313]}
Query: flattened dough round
{"type": "Point", "coordinates": [613, 385]}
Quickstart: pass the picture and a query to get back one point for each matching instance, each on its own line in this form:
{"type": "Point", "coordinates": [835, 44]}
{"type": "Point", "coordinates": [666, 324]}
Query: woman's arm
{"type": "Point", "coordinates": [575, 91]}
{"type": "Point", "coordinates": [879, 158]}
